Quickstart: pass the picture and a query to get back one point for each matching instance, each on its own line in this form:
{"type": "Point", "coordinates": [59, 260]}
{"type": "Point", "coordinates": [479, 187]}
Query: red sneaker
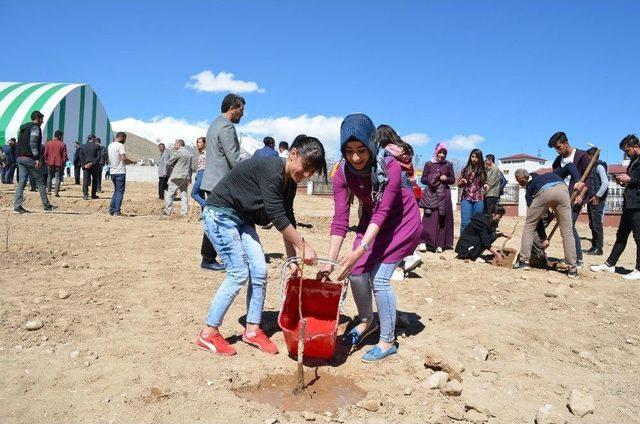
{"type": "Point", "coordinates": [261, 341]}
{"type": "Point", "coordinates": [215, 343]}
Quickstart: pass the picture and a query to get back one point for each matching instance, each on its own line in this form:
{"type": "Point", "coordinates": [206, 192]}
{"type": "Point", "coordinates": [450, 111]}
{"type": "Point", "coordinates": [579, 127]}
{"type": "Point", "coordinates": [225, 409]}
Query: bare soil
{"type": "Point", "coordinates": [120, 348]}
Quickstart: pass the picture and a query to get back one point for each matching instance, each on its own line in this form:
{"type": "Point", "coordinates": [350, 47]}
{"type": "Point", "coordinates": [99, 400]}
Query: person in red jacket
{"type": "Point", "coordinates": [55, 155]}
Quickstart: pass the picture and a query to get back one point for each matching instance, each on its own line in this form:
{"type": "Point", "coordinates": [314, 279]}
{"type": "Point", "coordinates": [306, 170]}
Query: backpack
{"type": "Point", "coordinates": [503, 183]}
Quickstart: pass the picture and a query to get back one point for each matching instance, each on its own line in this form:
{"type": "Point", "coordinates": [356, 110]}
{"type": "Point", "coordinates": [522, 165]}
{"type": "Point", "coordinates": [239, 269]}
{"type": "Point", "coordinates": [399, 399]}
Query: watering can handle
{"type": "Point", "coordinates": [298, 259]}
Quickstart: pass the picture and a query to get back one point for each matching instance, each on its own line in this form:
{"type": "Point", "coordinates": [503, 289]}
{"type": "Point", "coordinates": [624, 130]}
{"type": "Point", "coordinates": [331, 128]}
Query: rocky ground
{"type": "Point", "coordinates": [115, 303]}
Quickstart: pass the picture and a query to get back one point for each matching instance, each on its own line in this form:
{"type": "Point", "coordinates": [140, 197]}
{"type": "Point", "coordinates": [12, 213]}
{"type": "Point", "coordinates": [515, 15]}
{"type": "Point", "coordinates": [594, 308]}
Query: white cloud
{"type": "Point", "coordinates": [167, 129]}
{"type": "Point", "coordinates": [416, 139]}
{"type": "Point", "coordinates": [325, 128]}
{"type": "Point", "coordinates": [224, 81]}
{"type": "Point", "coordinates": [464, 142]}
{"type": "Point", "coordinates": [163, 129]}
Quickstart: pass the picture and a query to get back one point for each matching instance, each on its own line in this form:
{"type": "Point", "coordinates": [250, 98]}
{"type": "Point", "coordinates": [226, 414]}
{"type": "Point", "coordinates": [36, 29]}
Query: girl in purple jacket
{"type": "Point", "coordinates": [389, 230]}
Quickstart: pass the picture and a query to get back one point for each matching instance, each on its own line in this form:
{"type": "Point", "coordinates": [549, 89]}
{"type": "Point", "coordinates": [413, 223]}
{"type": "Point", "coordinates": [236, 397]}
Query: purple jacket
{"type": "Point", "coordinates": [397, 215]}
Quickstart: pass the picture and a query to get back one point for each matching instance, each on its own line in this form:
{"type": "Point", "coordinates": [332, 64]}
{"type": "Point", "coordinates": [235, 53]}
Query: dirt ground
{"type": "Point", "coordinates": [119, 348]}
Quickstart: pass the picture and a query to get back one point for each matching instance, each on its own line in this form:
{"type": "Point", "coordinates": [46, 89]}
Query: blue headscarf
{"type": "Point", "coordinates": [359, 126]}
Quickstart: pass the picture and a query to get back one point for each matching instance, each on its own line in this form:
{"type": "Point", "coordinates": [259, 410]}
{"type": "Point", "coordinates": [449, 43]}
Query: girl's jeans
{"type": "Point", "coordinates": [238, 245]}
{"type": "Point", "coordinates": [377, 280]}
{"type": "Point", "coordinates": [467, 210]}
{"type": "Point", "coordinates": [196, 193]}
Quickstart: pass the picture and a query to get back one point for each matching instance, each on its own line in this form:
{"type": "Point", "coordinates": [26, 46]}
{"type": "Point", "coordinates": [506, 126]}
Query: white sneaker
{"type": "Point", "coordinates": [603, 268]}
{"type": "Point", "coordinates": [633, 275]}
{"type": "Point", "coordinates": [439, 250]}
{"type": "Point", "coordinates": [412, 262]}
{"type": "Point", "coordinates": [398, 275]}
{"type": "Point", "coordinates": [422, 247]}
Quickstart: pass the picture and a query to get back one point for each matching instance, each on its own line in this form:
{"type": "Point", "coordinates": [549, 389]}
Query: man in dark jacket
{"type": "Point", "coordinates": [630, 219]}
{"type": "Point", "coordinates": [104, 157]}
{"type": "Point", "coordinates": [90, 157]}
{"type": "Point", "coordinates": [580, 158]}
{"type": "Point", "coordinates": [479, 235]}
{"type": "Point", "coordinates": [30, 162]}
{"type": "Point", "coordinates": [77, 166]}
{"type": "Point", "coordinates": [9, 168]}
{"type": "Point", "coordinates": [269, 149]}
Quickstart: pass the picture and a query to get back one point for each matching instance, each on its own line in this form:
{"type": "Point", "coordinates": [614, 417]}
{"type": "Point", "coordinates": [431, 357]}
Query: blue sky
{"type": "Point", "coordinates": [502, 75]}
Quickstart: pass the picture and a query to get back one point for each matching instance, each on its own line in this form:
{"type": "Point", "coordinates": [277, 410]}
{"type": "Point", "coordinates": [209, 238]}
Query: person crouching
{"type": "Point", "coordinates": [480, 234]}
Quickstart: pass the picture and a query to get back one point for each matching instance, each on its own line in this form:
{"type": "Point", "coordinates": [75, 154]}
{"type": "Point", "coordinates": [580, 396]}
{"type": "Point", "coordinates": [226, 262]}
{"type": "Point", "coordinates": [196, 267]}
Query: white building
{"type": "Point", "coordinates": [509, 164]}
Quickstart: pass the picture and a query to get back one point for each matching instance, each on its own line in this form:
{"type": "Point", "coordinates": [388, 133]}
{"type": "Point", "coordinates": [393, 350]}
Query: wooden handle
{"type": "Point", "coordinates": [586, 173]}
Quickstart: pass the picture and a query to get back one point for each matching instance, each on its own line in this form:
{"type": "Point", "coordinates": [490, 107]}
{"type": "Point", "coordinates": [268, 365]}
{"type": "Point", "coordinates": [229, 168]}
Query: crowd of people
{"type": "Point", "coordinates": [376, 169]}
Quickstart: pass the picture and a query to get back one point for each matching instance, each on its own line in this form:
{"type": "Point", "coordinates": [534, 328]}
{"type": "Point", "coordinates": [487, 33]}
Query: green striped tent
{"type": "Point", "coordinates": [72, 108]}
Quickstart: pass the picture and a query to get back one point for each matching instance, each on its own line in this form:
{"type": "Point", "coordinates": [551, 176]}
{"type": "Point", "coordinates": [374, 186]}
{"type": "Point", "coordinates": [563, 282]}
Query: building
{"type": "Point", "coordinates": [509, 164]}
{"type": "Point", "coordinates": [72, 108]}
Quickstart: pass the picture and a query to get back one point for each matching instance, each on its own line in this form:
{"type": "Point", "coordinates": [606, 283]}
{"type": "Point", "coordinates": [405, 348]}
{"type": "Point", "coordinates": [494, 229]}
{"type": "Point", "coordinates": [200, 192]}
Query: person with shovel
{"type": "Point", "coordinates": [544, 192]}
{"type": "Point", "coordinates": [389, 230]}
{"type": "Point", "coordinates": [254, 192]}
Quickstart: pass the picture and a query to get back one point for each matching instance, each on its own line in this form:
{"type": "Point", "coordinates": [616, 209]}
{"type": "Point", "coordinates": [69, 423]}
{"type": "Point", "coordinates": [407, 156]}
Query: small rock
{"type": "Point", "coordinates": [523, 277]}
{"type": "Point", "coordinates": [452, 388]}
{"type": "Point", "coordinates": [454, 412]}
{"type": "Point", "coordinates": [408, 391]}
{"type": "Point", "coordinates": [550, 294]}
{"type": "Point", "coordinates": [632, 341]}
{"type": "Point", "coordinates": [271, 421]}
{"type": "Point", "coordinates": [371, 405]}
{"type": "Point", "coordinates": [475, 416]}
{"type": "Point", "coordinates": [436, 362]}
{"type": "Point", "coordinates": [74, 354]}
{"type": "Point", "coordinates": [209, 383]}
{"type": "Point", "coordinates": [547, 414]}
{"type": "Point", "coordinates": [64, 265]}
{"type": "Point", "coordinates": [308, 416]}
{"type": "Point", "coordinates": [63, 294]}
{"type": "Point", "coordinates": [400, 410]}
{"type": "Point", "coordinates": [476, 405]}
{"type": "Point", "coordinates": [99, 244]}
{"type": "Point", "coordinates": [151, 235]}
{"type": "Point", "coordinates": [437, 380]}
{"type": "Point", "coordinates": [480, 352]}
{"type": "Point", "coordinates": [580, 404]}
{"type": "Point", "coordinates": [443, 258]}
{"type": "Point", "coordinates": [107, 400]}
{"type": "Point", "coordinates": [438, 416]}
{"type": "Point", "coordinates": [34, 324]}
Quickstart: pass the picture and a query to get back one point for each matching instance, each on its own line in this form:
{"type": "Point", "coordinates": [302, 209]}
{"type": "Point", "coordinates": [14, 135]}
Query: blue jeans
{"type": "Point", "coordinates": [467, 210]}
{"type": "Point", "coordinates": [239, 248]}
{"type": "Point", "coordinates": [118, 192]}
{"type": "Point", "coordinates": [196, 193]}
{"type": "Point", "coordinates": [26, 169]}
{"type": "Point", "coordinates": [378, 281]}
{"type": "Point", "coordinates": [7, 174]}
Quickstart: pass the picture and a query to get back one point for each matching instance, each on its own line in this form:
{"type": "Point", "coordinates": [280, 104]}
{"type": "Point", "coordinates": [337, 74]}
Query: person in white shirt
{"type": "Point", "coordinates": [118, 161]}
{"type": "Point", "coordinates": [283, 148]}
